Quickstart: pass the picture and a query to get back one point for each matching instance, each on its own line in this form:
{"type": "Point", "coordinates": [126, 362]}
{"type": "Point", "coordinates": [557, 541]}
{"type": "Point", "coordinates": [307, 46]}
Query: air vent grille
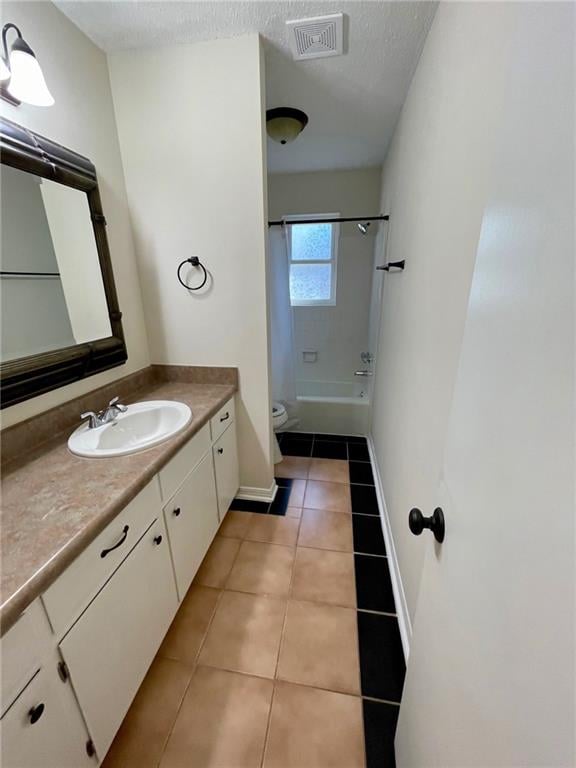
{"type": "Point", "coordinates": [317, 37]}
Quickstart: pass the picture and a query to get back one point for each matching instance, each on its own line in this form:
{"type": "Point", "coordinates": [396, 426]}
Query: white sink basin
{"type": "Point", "coordinates": [142, 426]}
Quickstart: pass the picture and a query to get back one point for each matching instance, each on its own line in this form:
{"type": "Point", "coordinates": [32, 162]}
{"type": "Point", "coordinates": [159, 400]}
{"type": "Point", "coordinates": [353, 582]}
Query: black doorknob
{"type": "Point", "coordinates": [36, 713]}
{"type": "Point", "coordinates": [417, 522]}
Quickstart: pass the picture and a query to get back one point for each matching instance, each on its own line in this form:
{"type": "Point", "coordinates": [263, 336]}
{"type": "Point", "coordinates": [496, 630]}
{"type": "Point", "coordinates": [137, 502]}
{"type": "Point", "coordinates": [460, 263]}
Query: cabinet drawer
{"type": "Point", "coordinates": [109, 649]}
{"type": "Point", "coordinates": [226, 467]}
{"type": "Point", "coordinates": [178, 468]}
{"type": "Point", "coordinates": [44, 727]}
{"type": "Point", "coordinates": [192, 522]}
{"type": "Point", "coordinates": [21, 651]}
{"type": "Point", "coordinates": [222, 420]}
{"type": "Point", "coordinates": [81, 581]}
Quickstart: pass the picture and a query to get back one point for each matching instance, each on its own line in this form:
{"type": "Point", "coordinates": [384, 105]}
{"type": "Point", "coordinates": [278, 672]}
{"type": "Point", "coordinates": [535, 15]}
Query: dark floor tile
{"type": "Point", "coordinates": [360, 472]}
{"type": "Point", "coordinates": [292, 447]}
{"type": "Point", "coordinates": [382, 667]}
{"type": "Point", "coordinates": [356, 439]}
{"type": "Point", "coordinates": [373, 584]}
{"type": "Point", "coordinates": [364, 499]}
{"type": "Point", "coordinates": [358, 452]}
{"type": "Point", "coordinates": [329, 450]}
{"type": "Point", "coordinates": [330, 438]}
{"type": "Point", "coordinates": [368, 538]}
{"type": "Point", "coordinates": [379, 731]}
{"type": "Point", "coordinates": [280, 503]}
{"type": "Point", "coordinates": [298, 435]}
{"type": "Point", "coordinates": [244, 505]}
{"type": "Point", "coordinates": [283, 482]}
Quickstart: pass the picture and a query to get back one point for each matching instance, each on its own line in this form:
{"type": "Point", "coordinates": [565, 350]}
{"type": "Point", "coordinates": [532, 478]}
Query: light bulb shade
{"type": "Point", "coordinates": [284, 124]}
{"type": "Point", "coordinates": [27, 82]}
{"type": "Point", "coordinates": [4, 71]}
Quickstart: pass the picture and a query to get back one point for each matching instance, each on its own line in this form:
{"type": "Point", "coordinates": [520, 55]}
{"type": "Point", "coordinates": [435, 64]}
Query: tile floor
{"type": "Point", "coordinates": [285, 653]}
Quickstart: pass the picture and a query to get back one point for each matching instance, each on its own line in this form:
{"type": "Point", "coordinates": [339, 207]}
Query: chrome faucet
{"type": "Point", "coordinates": [106, 415]}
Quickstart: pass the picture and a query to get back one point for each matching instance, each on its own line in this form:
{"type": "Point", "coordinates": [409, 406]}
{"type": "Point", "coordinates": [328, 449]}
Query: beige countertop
{"type": "Point", "coordinates": [55, 503]}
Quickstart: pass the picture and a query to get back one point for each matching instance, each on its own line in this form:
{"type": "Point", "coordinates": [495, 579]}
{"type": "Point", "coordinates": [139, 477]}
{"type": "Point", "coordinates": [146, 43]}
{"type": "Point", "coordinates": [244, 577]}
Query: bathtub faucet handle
{"type": "Point", "coordinates": [363, 373]}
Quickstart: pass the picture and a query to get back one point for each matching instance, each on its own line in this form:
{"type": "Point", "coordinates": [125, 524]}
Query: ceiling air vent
{"type": "Point", "coordinates": [318, 37]}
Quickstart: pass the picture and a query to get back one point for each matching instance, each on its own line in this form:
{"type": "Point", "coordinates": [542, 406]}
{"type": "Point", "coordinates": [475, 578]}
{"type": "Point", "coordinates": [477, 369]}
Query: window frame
{"type": "Point", "coordinates": [333, 261]}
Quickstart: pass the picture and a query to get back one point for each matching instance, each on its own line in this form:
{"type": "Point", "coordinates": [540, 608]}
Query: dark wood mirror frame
{"type": "Point", "coordinates": [30, 376]}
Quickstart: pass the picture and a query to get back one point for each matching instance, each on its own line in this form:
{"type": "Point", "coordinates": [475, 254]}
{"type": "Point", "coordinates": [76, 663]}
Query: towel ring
{"type": "Point", "coordinates": [195, 261]}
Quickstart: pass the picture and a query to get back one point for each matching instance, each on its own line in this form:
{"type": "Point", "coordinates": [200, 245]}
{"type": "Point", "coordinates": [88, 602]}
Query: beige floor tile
{"type": "Point", "coordinates": [310, 728]}
{"type": "Point", "coordinates": [274, 529]}
{"type": "Point", "coordinates": [235, 524]}
{"type": "Point", "coordinates": [297, 493]}
{"type": "Point", "coordinates": [222, 722]}
{"type": "Point", "coordinates": [261, 568]}
{"type": "Point", "coordinates": [334, 497]}
{"type": "Point", "coordinates": [324, 577]}
{"type": "Point", "coordinates": [325, 530]}
{"type": "Point", "coordinates": [294, 512]}
{"type": "Point", "coordinates": [218, 562]}
{"type": "Point", "coordinates": [245, 634]}
{"type": "Point", "coordinates": [320, 647]}
{"type": "Point", "coordinates": [331, 470]}
{"type": "Point", "coordinates": [140, 741]}
{"type": "Point", "coordinates": [292, 466]}
{"type": "Point", "coordinates": [187, 631]}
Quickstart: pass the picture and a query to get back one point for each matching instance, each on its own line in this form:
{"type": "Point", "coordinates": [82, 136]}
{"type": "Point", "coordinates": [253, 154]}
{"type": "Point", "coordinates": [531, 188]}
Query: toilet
{"type": "Point", "coordinates": [279, 419]}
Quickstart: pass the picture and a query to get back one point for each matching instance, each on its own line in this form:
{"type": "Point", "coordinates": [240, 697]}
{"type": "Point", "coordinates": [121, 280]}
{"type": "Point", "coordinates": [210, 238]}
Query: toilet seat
{"type": "Point", "coordinates": [279, 415]}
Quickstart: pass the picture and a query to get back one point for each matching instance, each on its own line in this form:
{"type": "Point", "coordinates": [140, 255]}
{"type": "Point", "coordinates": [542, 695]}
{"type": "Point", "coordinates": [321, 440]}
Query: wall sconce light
{"type": "Point", "coordinates": [284, 124]}
{"type": "Point", "coordinates": [21, 78]}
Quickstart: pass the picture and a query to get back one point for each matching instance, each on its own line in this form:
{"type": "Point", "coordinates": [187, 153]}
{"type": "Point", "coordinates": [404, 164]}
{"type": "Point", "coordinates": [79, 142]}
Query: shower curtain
{"type": "Point", "coordinates": [281, 323]}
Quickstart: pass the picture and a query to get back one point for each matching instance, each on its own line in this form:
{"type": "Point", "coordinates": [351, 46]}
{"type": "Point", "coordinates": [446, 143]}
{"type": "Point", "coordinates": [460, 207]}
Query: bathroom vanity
{"type": "Point", "coordinates": [75, 658]}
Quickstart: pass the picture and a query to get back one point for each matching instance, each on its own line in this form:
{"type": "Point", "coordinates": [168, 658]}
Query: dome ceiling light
{"type": "Point", "coordinates": [284, 124]}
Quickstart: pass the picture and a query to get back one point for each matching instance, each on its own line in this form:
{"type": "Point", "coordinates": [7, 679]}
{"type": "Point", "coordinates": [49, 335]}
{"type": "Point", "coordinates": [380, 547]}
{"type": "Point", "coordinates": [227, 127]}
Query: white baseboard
{"type": "Point", "coordinates": [404, 622]}
{"type": "Point", "coordinates": [257, 494]}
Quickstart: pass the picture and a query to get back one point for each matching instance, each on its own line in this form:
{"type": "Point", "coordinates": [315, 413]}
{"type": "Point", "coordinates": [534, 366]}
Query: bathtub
{"type": "Point", "coordinates": [336, 407]}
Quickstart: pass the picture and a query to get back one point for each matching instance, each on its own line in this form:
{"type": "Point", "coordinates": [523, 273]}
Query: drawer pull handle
{"type": "Point", "coordinates": [157, 539]}
{"type": "Point", "coordinates": [36, 713]}
{"type": "Point", "coordinates": [225, 417]}
{"type": "Point", "coordinates": [176, 512]}
{"type": "Point", "coordinates": [118, 544]}
{"type": "Point", "coordinates": [220, 450]}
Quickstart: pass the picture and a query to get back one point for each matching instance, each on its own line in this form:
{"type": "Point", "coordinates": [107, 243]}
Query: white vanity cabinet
{"type": "Point", "coordinates": [43, 728]}
{"type": "Point", "coordinates": [106, 615]}
{"type": "Point", "coordinates": [226, 466]}
{"type": "Point", "coordinates": [109, 649]}
{"type": "Point", "coordinates": [192, 521]}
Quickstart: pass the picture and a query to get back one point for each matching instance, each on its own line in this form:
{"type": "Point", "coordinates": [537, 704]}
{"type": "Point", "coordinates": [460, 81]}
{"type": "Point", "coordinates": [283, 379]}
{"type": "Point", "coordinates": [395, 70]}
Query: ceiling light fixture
{"type": "Point", "coordinates": [284, 124]}
{"type": "Point", "coordinates": [20, 74]}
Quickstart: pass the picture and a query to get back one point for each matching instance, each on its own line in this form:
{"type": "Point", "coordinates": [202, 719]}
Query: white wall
{"type": "Point", "coordinates": [82, 119]}
{"type": "Point", "coordinates": [433, 187]}
{"type": "Point", "coordinates": [190, 121]}
{"type": "Point", "coordinates": [338, 333]}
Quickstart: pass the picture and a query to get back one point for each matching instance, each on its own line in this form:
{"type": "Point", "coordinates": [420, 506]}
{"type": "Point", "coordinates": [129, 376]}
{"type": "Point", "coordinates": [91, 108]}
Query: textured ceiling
{"type": "Point", "coordinates": [353, 101]}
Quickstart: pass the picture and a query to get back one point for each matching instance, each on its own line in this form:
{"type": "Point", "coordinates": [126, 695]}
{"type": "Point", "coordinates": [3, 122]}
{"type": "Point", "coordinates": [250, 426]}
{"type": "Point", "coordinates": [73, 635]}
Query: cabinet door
{"type": "Point", "coordinates": [111, 646]}
{"type": "Point", "coordinates": [192, 522]}
{"type": "Point", "coordinates": [44, 727]}
{"type": "Point", "coordinates": [226, 464]}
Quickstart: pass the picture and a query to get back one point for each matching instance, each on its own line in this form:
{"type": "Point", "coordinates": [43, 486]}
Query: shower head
{"type": "Point", "coordinates": [363, 227]}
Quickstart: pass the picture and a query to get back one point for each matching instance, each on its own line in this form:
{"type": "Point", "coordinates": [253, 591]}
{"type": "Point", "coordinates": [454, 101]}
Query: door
{"type": "Point", "coordinates": [490, 678]}
{"type": "Point", "coordinates": [109, 649]}
{"type": "Point", "coordinates": [226, 465]}
{"type": "Point", "coordinates": [43, 728]}
{"type": "Point", "coordinates": [192, 522]}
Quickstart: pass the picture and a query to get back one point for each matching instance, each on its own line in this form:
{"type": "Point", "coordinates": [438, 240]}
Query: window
{"type": "Point", "coordinates": [313, 250]}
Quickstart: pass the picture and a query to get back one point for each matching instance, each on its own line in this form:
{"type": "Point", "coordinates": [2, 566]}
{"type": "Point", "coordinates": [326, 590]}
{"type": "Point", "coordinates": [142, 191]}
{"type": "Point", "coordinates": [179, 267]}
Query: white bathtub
{"type": "Point", "coordinates": [336, 407]}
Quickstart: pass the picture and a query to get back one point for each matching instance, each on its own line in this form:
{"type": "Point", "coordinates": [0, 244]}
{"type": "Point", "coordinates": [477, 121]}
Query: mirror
{"type": "Point", "coordinates": [51, 289]}
{"type": "Point", "coordinates": [59, 319]}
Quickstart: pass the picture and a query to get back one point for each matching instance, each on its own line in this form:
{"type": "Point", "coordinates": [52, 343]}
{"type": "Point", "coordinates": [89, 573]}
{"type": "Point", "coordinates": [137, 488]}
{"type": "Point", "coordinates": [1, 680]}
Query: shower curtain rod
{"type": "Point", "coordinates": [281, 222]}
